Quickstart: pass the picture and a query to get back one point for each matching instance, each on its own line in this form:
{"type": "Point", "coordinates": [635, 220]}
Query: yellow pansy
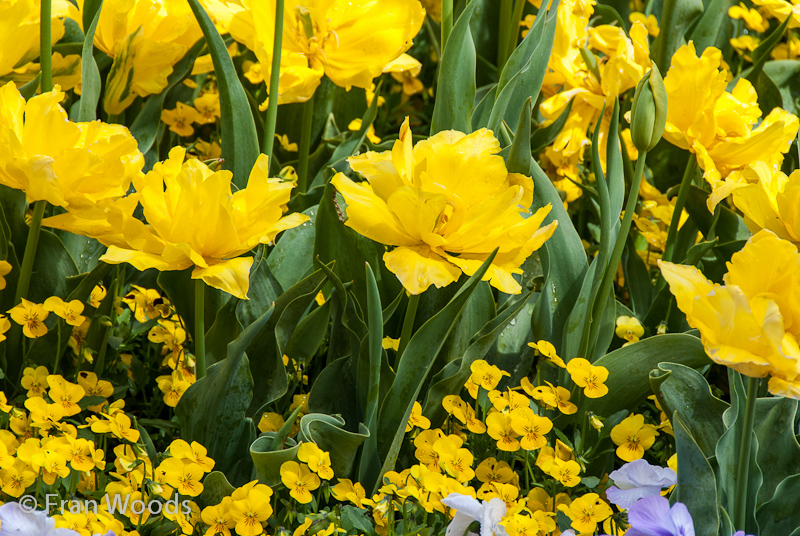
{"type": "Point", "coordinates": [350, 41]}
{"type": "Point", "coordinates": [565, 471]}
{"type": "Point", "coordinates": [546, 349]}
{"type": "Point", "coordinates": [650, 22]}
{"type": "Point", "coordinates": [176, 195]}
{"type": "Point", "coordinates": [491, 470]}
{"type": "Point", "coordinates": [270, 422]}
{"type": "Point", "coordinates": [5, 325]}
{"type": "Point", "coordinates": [532, 428]}
{"type": "Point", "coordinates": [181, 119]}
{"type": "Point", "coordinates": [65, 393]}
{"type": "Point", "coordinates": [499, 427]}
{"type": "Point", "coordinates": [299, 480]}
{"type": "Point", "coordinates": [52, 464]}
{"type": "Point", "coordinates": [588, 376]}
{"type": "Point", "coordinates": [405, 70]}
{"type": "Point", "coordinates": [417, 418]}
{"type": "Point", "coordinates": [716, 125]}
{"type": "Point", "coordinates": [72, 165]}
{"type": "Point", "coordinates": [629, 328]}
{"type": "Point", "coordinates": [118, 425]}
{"type": "Point", "coordinates": [454, 459]}
{"type": "Point", "coordinates": [173, 387]}
{"type": "Point", "coordinates": [31, 317]}
{"type": "Point", "coordinates": [445, 204]}
{"type": "Point", "coordinates": [632, 437]}
{"type": "Point", "coordinates": [789, 50]}
{"type": "Point", "coordinates": [183, 475]}
{"type": "Point", "coordinates": [218, 517]}
{"type": "Point", "coordinates": [208, 107]}
{"type": "Point", "coordinates": [287, 146]}
{"type": "Point", "coordinates": [17, 478]}
{"type": "Point", "coordinates": [34, 380]}
{"type": "Point", "coordinates": [586, 512]}
{"type": "Point", "coordinates": [5, 268]}
{"type": "Point", "coordinates": [145, 38]}
{"type": "Point", "coordinates": [355, 125]}
{"type": "Point", "coordinates": [317, 459]}
{"type": "Point", "coordinates": [69, 311]}
{"type": "Point", "coordinates": [751, 17]}
{"type": "Point", "coordinates": [751, 323]}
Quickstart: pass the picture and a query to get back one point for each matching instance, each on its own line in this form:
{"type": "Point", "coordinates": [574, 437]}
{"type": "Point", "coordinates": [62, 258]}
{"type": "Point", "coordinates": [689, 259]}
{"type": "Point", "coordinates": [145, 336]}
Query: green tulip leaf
{"type": "Point", "coordinates": [456, 88]}
{"type": "Point", "coordinates": [239, 137]}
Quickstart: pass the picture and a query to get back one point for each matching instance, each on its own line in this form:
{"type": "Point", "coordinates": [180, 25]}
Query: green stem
{"type": "Point", "coordinates": [435, 41]}
{"type": "Point", "coordinates": [408, 324]}
{"type": "Point", "coordinates": [743, 470]}
{"type": "Point", "coordinates": [117, 286]}
{"type": "Point", "coordinates": [502, 41]}
{"type": "Point", "coordinates": [199, 328]}
{"type": "Point", "coordinates": [305, 146]}
{"type": "Point", "coordinates": [680, 202]}
{"type": "Point", "coordinates": [447, 22]}
{"type": "Point", "coordinates": [25, 271]}
{"type": "Point", "coordinates": [274, 79]}
{"type": "Point", "coordinates": [46, 46]}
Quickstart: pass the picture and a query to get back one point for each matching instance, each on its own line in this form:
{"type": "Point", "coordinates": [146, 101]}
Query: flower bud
{"type": "Point", "coordinates": [649, 110]}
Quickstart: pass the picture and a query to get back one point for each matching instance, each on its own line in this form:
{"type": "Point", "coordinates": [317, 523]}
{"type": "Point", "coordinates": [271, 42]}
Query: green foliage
{"type": "Point", "coordinates": [240, 147]}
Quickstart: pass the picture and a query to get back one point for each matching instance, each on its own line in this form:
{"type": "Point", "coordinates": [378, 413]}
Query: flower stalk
{"type": "Point", "coordinates": [683, 192]}
{"type": "Point", "coordinates": [45, 45]}
{"type": "Point", "coordinates": [745, 446]}
{"type": "Point", "coordinates": [408, 324]}
{"type": "Point", "coordinates": [305, 146]}
{"type": "Point", "coordinates": [199, 328]}
{"type": "Point", "coordinates": [274, 82]}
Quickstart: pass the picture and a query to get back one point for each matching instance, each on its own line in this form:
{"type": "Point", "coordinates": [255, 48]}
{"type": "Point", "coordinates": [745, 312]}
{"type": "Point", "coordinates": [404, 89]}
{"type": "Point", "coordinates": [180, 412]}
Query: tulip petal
{"type": "Point", "coordinates": [417, 268]}
{"type": "Point", "coordinates": [369, 215]}
{"type": "Point", "coordinates": [231, 276]}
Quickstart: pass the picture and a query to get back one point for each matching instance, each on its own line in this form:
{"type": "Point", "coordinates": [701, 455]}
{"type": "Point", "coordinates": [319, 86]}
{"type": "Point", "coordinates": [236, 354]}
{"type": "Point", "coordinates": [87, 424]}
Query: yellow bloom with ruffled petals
{"type": "Point", "coordinates": [719, 126]}
{"type": "Point", "coordinates": [145, 38]}
{"type": "Point", "coordinates": [445, 204]}
{"type": "Point", "coordinates": [751, 323]}
{"type": "Point", "coordinates": [195, 220]}
{"type": "Point", "coordinates": [350, 41]}
{"type": "Point", "coordinates": [71, 165]}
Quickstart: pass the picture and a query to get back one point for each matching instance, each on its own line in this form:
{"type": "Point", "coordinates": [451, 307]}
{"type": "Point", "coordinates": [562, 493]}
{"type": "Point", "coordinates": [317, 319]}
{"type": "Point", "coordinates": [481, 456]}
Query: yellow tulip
{"type": "Point", "coordinates": [780, 9]}
{"type": "Point", "coordinates": [350, 41]}
{"type": "Point", "coordinates": [750, 323]}
{"type": "Point", "coordinates": [768, 199]}
{"type": "Point", "coordinates": [146, 38]}
{"type": "Point", "coordinates": [72, 165]}
{"type": "Point", "coordinates": [194, 220]}
{"type": "Point", "coordinates": [446, 203]}
{"type": "Point", "coordinates": [717, 125]}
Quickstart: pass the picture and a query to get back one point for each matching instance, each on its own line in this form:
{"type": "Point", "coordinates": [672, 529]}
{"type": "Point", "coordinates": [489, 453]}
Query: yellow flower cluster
{"type": "Point", "coordinates": [588, 86]}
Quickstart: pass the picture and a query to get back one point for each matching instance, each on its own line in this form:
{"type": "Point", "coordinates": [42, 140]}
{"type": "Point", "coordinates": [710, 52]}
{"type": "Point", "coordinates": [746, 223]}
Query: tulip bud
{"type": "Point", "coordinates": [649, 110]}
